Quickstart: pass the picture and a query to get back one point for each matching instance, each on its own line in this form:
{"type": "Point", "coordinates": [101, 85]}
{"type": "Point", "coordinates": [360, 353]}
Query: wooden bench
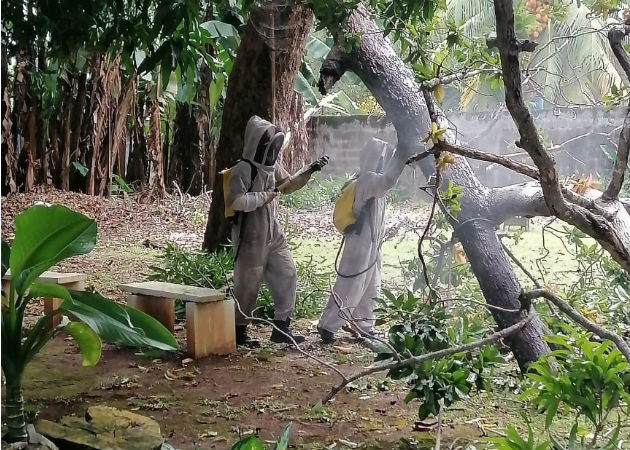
{"type": "Point", "coordinates": [209, 314]}
{"type": "Point", "coordinates": [71, 280]}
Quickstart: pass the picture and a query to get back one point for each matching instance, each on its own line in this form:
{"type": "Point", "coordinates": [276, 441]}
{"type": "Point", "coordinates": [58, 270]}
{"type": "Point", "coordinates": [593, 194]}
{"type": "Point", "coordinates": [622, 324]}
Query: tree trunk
{"type": "Point", "coordinates": [154, 145]}
{"type": "Point", "coordinates": [76, 125]}
{"type": "Point", "coordinates": [14, 411]}
{"type": "Point", "coordinates": [256, 87]}
{"type": "Point", "coordinates": [8, 147]}
{"type": "Point", "coordinates": [138, 163]}
{"type": "Point", "coordinates": [393, 85]}
{"type": "Point", "coordinates": [184, 165]}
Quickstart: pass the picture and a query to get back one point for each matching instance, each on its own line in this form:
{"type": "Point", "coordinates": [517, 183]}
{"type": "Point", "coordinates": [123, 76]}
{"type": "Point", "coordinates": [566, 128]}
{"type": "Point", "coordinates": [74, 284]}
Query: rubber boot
{"type": "Point", "coordinates": [243, 340]}
{"type": "Point", "coordinates": [282, 333]}
{"type": "Point", "coordinates": [328, 337]}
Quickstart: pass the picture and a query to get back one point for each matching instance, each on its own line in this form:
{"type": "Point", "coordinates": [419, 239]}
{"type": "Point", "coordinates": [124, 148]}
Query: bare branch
{"type": "Point", "coordinates": [468, 152]}
{"type": "Point", "coordinates": [450, 78]}
{"type": "Point", "coordinates": [615, 37]}
{"type": "Point", "coordinates": [530, 140]}
{"type": "Point", "coordinates": [563, 306]}
{"type": "Point", "coordinates": [381, 367]}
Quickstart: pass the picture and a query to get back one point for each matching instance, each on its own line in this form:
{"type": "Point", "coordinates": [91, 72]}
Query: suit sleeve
{"type": "Point", "coordinates": [238, 197]}
{"type": "Point", "coordinates": [290, 183]}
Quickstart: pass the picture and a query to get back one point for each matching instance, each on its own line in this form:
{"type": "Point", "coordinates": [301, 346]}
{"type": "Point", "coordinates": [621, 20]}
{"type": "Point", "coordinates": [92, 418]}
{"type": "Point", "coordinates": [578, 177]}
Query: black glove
{"type": "Point", "coordinates": [321, 162]}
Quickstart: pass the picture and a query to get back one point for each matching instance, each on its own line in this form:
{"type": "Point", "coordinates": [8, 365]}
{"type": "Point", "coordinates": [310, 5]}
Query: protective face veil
{"type": "Point", "coordinates": [269, 146]}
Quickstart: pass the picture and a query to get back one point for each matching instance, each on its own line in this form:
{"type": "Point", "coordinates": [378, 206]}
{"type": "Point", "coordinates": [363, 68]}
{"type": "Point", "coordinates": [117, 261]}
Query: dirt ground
{"type": "Point", "coordinates": [208, 403]}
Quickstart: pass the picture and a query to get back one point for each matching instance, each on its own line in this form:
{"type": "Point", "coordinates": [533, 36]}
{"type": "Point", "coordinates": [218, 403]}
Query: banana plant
{"type": "Point", "coordinates": [44, 236]}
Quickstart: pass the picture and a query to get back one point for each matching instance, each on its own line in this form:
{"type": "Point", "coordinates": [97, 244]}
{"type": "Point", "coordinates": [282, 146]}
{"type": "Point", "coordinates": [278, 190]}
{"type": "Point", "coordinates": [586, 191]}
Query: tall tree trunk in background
{"type": "Point", "coordinates": [393, 85]}
{"type": "Point", "coordinates": [21, 107]}
{"type": "Point", "coordinates": [184, 165]}
{"type": "Point", "coordinates": [190, 150]}
{"type": "Point", "coordinates": [255, 89]}
{"type": "Point", "coordinates": [76, 125]}
{"type": "Point", "coordinates": [154, 146]}
{"type": "Point", "coordinates": [105, 76]}
{"type": "Point", "coordinates": [138, 162]}
{"type": "Point", "coordinates": [8, 147]}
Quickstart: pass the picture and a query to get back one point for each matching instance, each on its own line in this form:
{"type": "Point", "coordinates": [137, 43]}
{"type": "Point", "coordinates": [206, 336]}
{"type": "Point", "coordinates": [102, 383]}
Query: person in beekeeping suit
{"type": "Point", "coordinates": [260, 248]}
{"type": "Point", "coordinates": [359, 271]}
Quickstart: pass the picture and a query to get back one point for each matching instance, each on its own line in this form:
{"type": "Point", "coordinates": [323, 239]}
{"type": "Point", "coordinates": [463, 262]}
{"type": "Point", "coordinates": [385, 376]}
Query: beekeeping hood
{"type": "Point", "coordinates": [263, 141]}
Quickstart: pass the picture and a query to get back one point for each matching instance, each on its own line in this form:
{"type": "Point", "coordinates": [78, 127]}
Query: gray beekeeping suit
{"type": "Point", "coordinates": [260, 248]}
{"type": "Point", "coordinates": [359, 274]}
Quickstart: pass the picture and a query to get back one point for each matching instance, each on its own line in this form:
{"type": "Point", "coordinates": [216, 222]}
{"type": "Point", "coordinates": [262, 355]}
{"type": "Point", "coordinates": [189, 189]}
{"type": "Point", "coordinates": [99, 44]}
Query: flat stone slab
{"type": "Point", "coordinates": [104, 428]}
{"type": "Point", "coordinates": [50, 276]}
{"type": "Point", "coordinates": [174, 291]}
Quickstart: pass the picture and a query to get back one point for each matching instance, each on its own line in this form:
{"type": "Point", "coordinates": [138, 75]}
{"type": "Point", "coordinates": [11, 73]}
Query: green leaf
{"type": "Point", "coordinates": [80, 168]}
{"type": "Point", "coordinates": [88, 341]}
{"type": "Point", "coordinates": [283, 441]}
{"type": "Point", "coordinates": [552, 409]}
{"type": "Point", "coordinates": [147, 331]}
{"type": "Point", "coordinates": [115, 323]}
{"type": "Point", "coordinates": [45, 235]}
{"type": "Point", "coordinates": [303, 87]}
{"type": "Point", "coordinates": [251, 442]}
{"type": "Point", "coordinates": [219, 29]}
{"type": "Point", "coordinates": [216, 90]}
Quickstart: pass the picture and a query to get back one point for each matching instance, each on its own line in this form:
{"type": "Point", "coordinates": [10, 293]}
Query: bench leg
{"type": "Point", "coordinates": [160, 308]}
{"type": "Point", "coordinates": [210, 328]}
{"type": "Point", "coordinates": [50, 304]}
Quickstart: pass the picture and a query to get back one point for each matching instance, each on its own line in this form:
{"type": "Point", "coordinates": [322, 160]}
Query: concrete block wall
{"type": "Point", "coordinates": [584, 132]}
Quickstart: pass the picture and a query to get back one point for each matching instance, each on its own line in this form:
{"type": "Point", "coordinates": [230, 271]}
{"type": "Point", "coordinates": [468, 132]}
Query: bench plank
{"type": "Point", "coordinates": [174, 291]}
{"type": "Point", "coordinates": [50, 276]}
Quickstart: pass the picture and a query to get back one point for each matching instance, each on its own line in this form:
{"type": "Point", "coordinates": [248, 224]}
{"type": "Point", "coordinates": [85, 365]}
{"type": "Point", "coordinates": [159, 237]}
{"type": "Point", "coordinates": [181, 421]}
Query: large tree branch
{"type": "Point", "coordinates": [509, 49]}
{"type": "Point", "coordinates": [527, 199]}
{"type": "Point", "coordinates": [615, 37]}
{"type": "Point", "coordinates": [613, 234]}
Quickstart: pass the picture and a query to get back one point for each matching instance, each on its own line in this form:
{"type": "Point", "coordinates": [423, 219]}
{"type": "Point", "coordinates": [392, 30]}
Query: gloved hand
{"type": "Point", "coordinates": [321, 162]}
{"type": "Point", "coordinates": [269, 196]}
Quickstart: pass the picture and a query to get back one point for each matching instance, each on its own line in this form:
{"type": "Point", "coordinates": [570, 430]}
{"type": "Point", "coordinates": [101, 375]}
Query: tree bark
{"type": "Point", "coordinates": [374, 60]}
{"type": "Point", "coordinates": [154, 145]}
{"type": "Point", "coordinates": [255, 88]}
{"type": "Point", "coordinates": [184, 166]}
{"type": "Point", "coordinates": [606, 221]}
{"type": "Point", "coordinates": [8, 147]}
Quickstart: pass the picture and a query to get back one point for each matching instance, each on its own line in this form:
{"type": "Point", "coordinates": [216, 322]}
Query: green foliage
{"type": "Point", "coordinates": [215, 270]}
{"type": "Point", "coordinates": [590, 377]}
{"type": "Point", "coordinates": [211, 270]}
{"type": "Point", "coordinates": [451, 197]}
{"type": "Point", "coordinates": [513, 441]}
{"type": "Point", "coordinates": [602, 291]}
{"type": "Point", "coordinates": [44, 236]}
{"type": "Point", "coordinates": [253, 442]}
{"type": "Point", "coordinates": [316, 194]}
{"type": "Point", "coordinates": [421, 327]}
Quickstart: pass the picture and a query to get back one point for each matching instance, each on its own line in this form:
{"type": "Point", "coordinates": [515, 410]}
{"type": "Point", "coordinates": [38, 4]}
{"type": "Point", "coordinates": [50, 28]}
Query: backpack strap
{"type": "Point", "coordinates": [241, 215]}
{"type": "Point", "coordinates": [253, 170]}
